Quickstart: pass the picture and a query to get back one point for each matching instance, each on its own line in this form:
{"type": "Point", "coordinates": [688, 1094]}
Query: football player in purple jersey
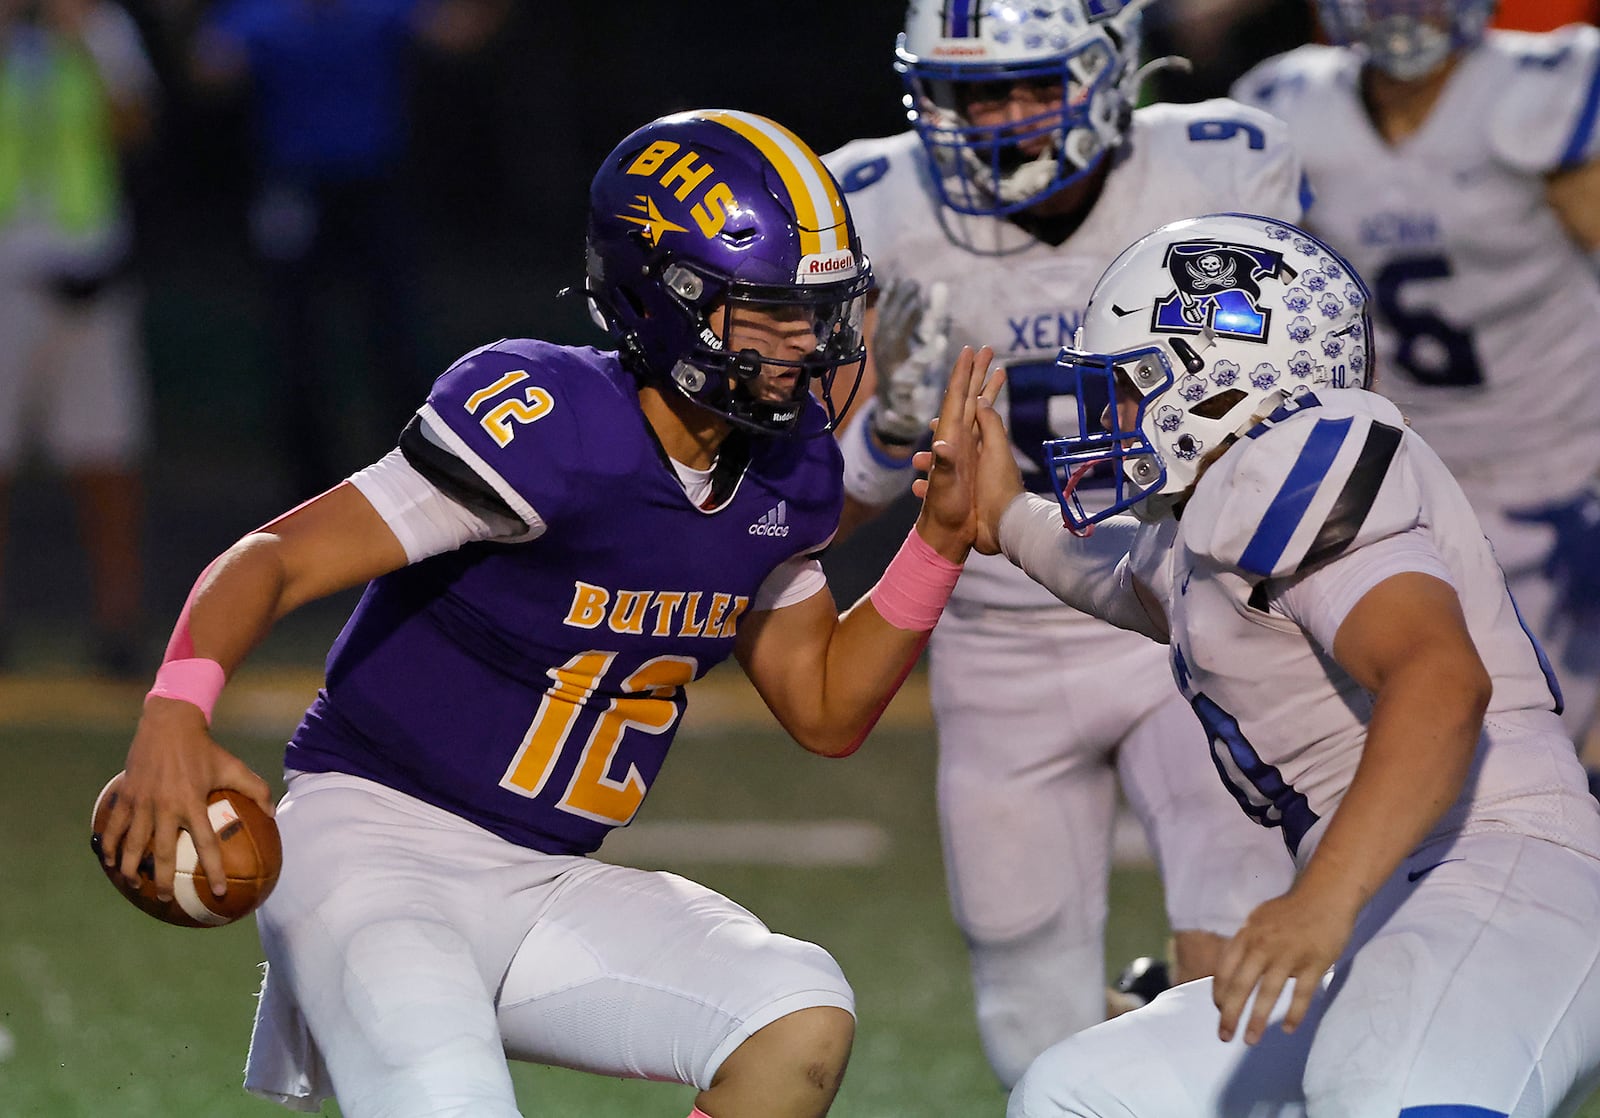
{"type": "Point", "coordinates": [563, 540]}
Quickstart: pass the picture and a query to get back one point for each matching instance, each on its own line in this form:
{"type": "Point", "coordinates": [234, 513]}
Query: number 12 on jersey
{"type": "Point", "coordinates": [651, 703]}
{"type": "Point", "coordinates": [499, 419]}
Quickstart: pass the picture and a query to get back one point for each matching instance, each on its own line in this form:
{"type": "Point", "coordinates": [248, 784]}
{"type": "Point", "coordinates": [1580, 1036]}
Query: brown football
{"type": "Point", "coordinates": [252, 855]}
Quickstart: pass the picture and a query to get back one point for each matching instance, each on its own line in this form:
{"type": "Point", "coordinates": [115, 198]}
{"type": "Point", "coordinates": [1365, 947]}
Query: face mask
{"type": "Point", "coordinates": [1407, 49]}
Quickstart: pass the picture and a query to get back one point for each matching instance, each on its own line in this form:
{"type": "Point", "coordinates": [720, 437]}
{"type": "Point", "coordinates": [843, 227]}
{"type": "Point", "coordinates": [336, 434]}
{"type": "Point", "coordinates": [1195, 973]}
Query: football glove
{"type": "Point", "coordinates": [910, 345]}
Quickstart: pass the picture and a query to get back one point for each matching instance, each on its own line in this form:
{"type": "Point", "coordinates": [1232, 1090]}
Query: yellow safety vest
{"type": "Point", "coordinates": [56, 143]}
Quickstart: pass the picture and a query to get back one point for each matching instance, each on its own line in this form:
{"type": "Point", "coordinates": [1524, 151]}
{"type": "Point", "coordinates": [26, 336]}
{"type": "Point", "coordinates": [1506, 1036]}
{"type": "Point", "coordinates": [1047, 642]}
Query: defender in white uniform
{"type": "Point", "coordinates": [1024, 175]}
{"type": "Point", "coordinates": [1457, 170]}
{"type": "Point", "coordinates": [1338, 621]}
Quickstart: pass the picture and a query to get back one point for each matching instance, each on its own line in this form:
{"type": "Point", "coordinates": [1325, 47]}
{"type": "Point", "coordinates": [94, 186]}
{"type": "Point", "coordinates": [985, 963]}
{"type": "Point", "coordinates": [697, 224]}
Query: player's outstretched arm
{"type": "Point", "coordinates": [828, 677]}
{"type": "Point", "coordinates": [328, 544]}
{"type": "Point", "coordinates": [1089, 573]}
{"type": "Point", "coordinates": [1407, 643]}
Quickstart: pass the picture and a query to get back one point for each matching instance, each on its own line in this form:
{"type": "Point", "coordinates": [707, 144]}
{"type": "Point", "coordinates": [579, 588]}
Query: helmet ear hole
{"type": "Point", "coordinates": [631, 297]}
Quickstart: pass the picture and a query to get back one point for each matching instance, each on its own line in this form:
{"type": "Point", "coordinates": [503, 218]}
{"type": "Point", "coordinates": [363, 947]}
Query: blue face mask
{"type": "Point", "coordinates": [1406, 39]}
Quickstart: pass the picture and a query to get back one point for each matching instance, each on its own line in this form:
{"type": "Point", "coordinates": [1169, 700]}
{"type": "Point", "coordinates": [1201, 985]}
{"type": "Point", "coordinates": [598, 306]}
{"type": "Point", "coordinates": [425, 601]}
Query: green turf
{"type": "Point", "coordinates": [115, 1015]}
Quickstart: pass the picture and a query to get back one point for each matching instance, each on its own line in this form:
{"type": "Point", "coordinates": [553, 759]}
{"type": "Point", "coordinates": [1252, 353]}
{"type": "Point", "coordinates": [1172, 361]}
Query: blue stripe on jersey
{"type": "Point", "coordinates": [1586, 121]}
{"type": "Point", "coordinates": [1289, 506]}
{"type": "Point", "coordinates": [1451, 1110]}
{"type": "Point", "coordinates": [1545, 666]}
{"type": "Point", "coordinates": [958, 19]}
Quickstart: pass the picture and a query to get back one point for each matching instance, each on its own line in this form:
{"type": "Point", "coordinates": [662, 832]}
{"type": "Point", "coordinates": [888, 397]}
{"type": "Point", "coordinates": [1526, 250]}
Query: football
{"type": "Point", "coordinates": [252, 855]}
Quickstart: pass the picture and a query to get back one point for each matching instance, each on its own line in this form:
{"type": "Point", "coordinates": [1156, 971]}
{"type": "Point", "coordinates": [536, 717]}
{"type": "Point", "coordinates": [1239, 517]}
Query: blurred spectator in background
{"type": "Point", "coordinates": [1221, 39]}
{"type": "Point", "coordinates": [329, 85]}
{"type": "Point", "coordinates": [75, 92]}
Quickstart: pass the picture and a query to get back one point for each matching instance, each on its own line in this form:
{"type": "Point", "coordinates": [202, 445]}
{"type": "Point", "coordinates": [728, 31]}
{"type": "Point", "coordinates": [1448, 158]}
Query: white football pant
{"type": "Point", "coordinates": [419, 951]}
{"type": "Point", "coordinates": [1473, 991]}
{"type": "Point", "coordinates": [1038, 721]}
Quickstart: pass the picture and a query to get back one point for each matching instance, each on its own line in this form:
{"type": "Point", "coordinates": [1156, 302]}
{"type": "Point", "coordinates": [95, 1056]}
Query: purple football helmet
{"type": "Point", "coordinates": [1406, 39]}
{"type": "Point", "coordinates": [717, 207]}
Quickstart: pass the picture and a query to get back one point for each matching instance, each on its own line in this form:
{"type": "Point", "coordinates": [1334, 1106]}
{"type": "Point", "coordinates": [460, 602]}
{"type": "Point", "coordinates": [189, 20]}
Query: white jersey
{"type": "Point", "coordinates": [1487, 312]}
{"type": "Point", "coordinates": [1023, 296]}
{"type": "Point", "coordinates": [1322, 478]}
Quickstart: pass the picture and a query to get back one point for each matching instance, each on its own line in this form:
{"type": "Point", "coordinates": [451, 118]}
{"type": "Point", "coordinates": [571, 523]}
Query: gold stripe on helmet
{"type": "Point", "coordinates": [819, 209]}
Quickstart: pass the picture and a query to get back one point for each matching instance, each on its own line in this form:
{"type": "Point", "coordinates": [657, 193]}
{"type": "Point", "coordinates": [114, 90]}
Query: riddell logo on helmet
{"type": "Point", "coordinates": [826, 266]}
{"type": "Point", "coordinates": [942, 51]}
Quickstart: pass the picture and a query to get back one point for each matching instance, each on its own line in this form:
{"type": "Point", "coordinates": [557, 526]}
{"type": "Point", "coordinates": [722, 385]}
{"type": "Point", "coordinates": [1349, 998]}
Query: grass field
{"type": "Point", "coordinates": [112, 1014]}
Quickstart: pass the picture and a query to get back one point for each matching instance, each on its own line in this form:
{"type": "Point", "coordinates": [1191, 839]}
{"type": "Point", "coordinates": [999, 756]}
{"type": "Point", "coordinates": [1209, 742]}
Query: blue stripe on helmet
{"type": "Point", "coordinates": [958, 19]}
{"type": "Point", "coordinates": [1283, 516]}
{"type": "Point", "coordinates": [1451, 1110]}
{"type": "Point", "coordinates": [1584, 132]}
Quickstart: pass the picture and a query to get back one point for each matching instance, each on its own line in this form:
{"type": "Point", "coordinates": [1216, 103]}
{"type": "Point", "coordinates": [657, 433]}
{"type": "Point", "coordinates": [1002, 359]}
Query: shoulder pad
{"type": "Point", "coordinates": [1281, 82]}
{"type": "Point", "coordinates": [1239, 157]}
{"type": "Point", "coordinates": [863, 163]}
{"type": "Point", "coordinates": [511, 412]}
{"type": "Point", "coordinates": [1548, 104]}
{"type": "Point", "coordinates": [892, 199]}
{"type": "Point", "coordinates": [1311, 482]}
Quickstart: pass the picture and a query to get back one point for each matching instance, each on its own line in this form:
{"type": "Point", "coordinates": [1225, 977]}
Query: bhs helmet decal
{"type": "Point", "coordinates": [1218, 289]}
{"type": "Point", "coordinates": [717, 208]}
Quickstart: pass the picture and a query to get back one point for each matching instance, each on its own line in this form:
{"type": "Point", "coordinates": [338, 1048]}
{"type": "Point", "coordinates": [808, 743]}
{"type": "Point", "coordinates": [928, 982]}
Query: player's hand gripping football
{"type": "Point", "coordinates": [949, 521]}
{"type": "Point", "coordinates": [1296, 936]}
{"type": "Point", "coordinates": [909, 347]}
{"type": "Point", "coordinates": [172, 767]}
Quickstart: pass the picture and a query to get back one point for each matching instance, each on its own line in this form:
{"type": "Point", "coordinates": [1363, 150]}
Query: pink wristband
{"type": "Point", "coordinates": [196, 681]}
{"type": "Point", "coordinates": [915, 586]}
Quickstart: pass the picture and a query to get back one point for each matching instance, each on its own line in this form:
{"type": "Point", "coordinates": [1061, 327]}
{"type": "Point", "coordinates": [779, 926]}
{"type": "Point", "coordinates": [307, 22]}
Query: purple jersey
{"type": "Point", "coordinates": [534, 688]}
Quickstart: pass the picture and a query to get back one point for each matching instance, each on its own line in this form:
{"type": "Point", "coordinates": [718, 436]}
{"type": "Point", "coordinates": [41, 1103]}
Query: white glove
{"type": "Point", "coordinates": [909, 348]}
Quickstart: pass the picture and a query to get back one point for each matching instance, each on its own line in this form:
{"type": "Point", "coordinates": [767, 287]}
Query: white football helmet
{"type": "Point", "coordinates": [1406, 39]}
{"type": "Point", "coordinates": [953, 51]}
{"type": "Point", "coordinates": [1209, 324]}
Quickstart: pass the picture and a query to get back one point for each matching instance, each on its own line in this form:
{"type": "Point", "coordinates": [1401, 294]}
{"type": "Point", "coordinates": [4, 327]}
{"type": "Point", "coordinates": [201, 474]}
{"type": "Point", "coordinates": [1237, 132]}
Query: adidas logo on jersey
{"type": "Point", "coordinates": [774, 523]}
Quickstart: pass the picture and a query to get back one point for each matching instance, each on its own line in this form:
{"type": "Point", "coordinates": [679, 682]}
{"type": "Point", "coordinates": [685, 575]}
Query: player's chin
{"type": "Point", "coordinates": [778, 387]}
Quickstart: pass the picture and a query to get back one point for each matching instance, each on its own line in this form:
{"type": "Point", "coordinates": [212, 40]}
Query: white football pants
{"type": "Point", "coordinates": [1040, 713]}
{"type": "Point", "coordinates": [1473, 991]}
{"type": "Point", "coordinates": [410, 952]}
